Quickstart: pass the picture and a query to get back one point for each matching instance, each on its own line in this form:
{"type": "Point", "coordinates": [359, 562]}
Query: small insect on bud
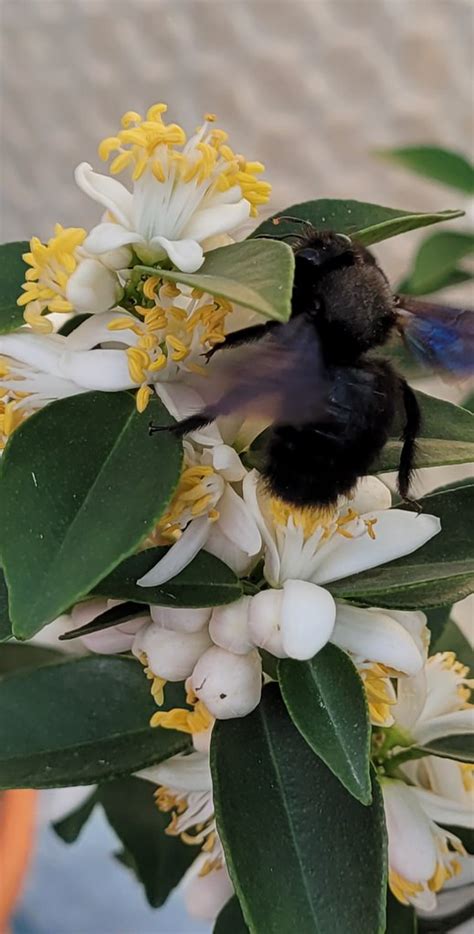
{"type": "Point", "coordinates": [229, 627]}
{"type": "Point", "coordinates": [171, 655]}
{"type": "Point", "coordinates": [229, 685]}
{"type": "Point", "coordinates": [180, 620]}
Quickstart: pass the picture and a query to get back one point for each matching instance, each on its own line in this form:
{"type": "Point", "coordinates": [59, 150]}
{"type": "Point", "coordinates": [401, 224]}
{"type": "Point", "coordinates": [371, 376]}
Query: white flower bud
{"type": "Point", "coordinates": [93, 288]}
{"type": "Point", "coordinates": [171, 655]}
{"type": "Point", "coordinates": [181, 620]}
{"type": "Point", "coordinates": [229, 626]}
{"type": "Point", "coordinates": [265, 621]}
{"type": "Point", "coordinates": [229, 685]}
{"type": "Point", "coordinates": [308, 614]}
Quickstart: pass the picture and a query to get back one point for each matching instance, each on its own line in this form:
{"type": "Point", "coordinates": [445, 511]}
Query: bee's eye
{"type": "Point", "coordinates": [314, 255]}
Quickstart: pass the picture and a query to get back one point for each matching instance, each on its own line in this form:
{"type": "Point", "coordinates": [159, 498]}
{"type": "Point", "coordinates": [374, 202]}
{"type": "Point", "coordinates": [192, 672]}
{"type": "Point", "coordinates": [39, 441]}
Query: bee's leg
{"type": "Point", "coordinates": [244, 336]}
{"type": "Point", "coordinates": [192, 423]}
{"type": "Point", "coordinates": [409, 436]}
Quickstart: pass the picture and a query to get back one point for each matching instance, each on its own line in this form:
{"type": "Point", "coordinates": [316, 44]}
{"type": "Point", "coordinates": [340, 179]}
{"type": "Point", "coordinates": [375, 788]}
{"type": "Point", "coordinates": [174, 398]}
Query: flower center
{"type": "Point", "coordinates": [168, 335]}
{"type": "Point", "coordinates": [51, 265]}
{"type": "Point", "coordinates": [192, 819]}
{"type": "Point", "coordinates": [447, 662]}
{"type": "Point", "coordinates": [206, 161]}
{"type": "Point", "coordinates": [403, 890]}
{"type": "Point", "coordinates": [327, 519]}
{"type": "Point", "coordinates": [199, 490]}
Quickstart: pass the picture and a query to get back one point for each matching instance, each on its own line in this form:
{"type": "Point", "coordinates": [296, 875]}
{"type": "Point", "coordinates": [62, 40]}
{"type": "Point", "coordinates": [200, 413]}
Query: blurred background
{"type": "Point", "coordinates": [309, 87]}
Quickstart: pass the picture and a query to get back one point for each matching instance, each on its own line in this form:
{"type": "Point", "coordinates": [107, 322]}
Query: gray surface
{"type": "Point", "coordinates": [81, 889]}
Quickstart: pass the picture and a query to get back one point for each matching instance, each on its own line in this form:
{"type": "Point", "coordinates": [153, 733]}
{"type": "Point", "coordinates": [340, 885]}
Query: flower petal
{"type": "Point", "coordinates": [237, 523]}
{"type": "Point", "coordinates": [181, 400]}
{"type": "Point", "coordinates": [93, 288]}
{"type": "Point", "coordinates": [308, 614]}
{"type": "Point", "coordinates": [216, 220]}
{"type": "Point", "coordinates": [411, 844]}
{"type": "Point", "coordinates": [181, 620]}
{"type": "Point", "coordinates": [443, 810]}
{"type": "Point", "coordinates": [186, 255]}
{"type": "Point", "coordinates": [229, 626]}
{"type": "Point", "coordinates": [397, 532]}
{"type": "Point", "coordinates": [41, 351]}
{"type": "Point", "coordinates": [186, 773]}
{"type": "Point", "coordinates": [106, 370]}
{"type": "Point", "coordinates": [106, 237]}
{"type": "Point", "coordinates": [205, 895]}
{"type": "Point", "coordinates": [95, 330]}
{"type": "Point", "coordinates": [179, 555]}
{"type": "Point", "coordinates": [226, 460]}
{"type": "Point", "coordinates": [450, 724]}
{"type": "Point", "coordinates": [373, 635]}
{"type": "Point", "coordinates": [228, 551]}
{"type": "Point", "coordinates": [411, 698]}
{"type": "Point", "coordinates": [272, 557]}
{"type": "Point", "coordinates": [265, 621]}
{"type": "Point", "coordinates": [370, 493]}
{"type": "Point", "coordinates": [170, 655]}
{"type": "Point", "coordinates": [108, 192]}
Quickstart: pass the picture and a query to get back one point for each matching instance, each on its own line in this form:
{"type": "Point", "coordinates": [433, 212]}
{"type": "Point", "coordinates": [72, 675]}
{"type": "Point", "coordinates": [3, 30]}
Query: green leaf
{"type": "Point", "coordinates": [365, 222]}
{"type": "Point", "coordinates": [443, 165]}
{"type": "Point", "coordinates": [326, 701]}
{"type": "Point", "coordinates": [12, 277]}
{"type": "Point", "coordinates": [159, 861]}
{"type": "Point", "coordinates": [299, 848]}
{"type": "Point", "coordinates": [81, 485]}
{"type": "Point", "coordinates": [436, 262]}
{"type": "Point", "coordinates": [5, 624]}
{"type": "Point", "coordinates": [255, 275]}
{"type": "Point", "coordinates": [206, 581]}
{"type": "Point", "coordinates": [401, 919]}
{"type": "Point", "coordinates": [452, 640]}
{"type": "Point", "coordinates": [16, 656]}
{"type": "Point", "coordinates": [446, 437]}
{"type": "Point", "coordinates": [230, 920]}
{"type": "Point", "coordinates": [452, 747]}
{"type": "Point", "coordinates": [72, 323]}
{"type": "Point", "coordinates": [441, 572]}
{"type": "Point", "coordinates": [79, 722]}
{"type": "Point", "coordinates": [437, 619]}
{"type": "Point", "coordinates": [117, 614]}
{"type": "Point", "coordinates": [70, 827]}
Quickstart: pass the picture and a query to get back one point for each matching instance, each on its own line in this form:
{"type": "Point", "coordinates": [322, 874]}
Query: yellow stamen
{"type": "Point", "coordinates": [144, 395]}
{"type": "Point", "coordinates": [51, 266]}
{"type": "Point", "coordinates": [186, 721]}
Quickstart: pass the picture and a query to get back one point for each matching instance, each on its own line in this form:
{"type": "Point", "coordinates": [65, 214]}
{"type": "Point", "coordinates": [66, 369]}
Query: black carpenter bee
{"type": "Point", "coordinates": [331, 401]}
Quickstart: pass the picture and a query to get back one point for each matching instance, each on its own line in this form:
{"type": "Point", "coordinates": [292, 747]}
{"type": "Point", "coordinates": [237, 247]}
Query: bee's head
{"type": "Point", "coordinates": [322, 248]}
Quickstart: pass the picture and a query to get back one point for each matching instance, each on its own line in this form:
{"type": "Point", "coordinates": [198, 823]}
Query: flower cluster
{"type": "Point", "coordinates": [106, 310]}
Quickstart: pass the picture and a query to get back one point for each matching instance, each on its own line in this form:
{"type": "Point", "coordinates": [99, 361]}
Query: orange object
{"type": "Point", "coordinates": [17, 831]}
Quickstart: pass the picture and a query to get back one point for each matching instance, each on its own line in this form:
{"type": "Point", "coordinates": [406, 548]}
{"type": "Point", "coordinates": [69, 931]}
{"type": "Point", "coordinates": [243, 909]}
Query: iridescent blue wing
{"type": "Point", "coordinates": [441, 337]}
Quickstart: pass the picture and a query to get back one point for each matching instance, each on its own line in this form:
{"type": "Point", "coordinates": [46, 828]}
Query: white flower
{"type": "Point", "coordinates": [422, 856]}
{"type": "Point", "coordinates": [63, 278]}
{"type": "Point", "coordinates": [114, 639]}
{"type": "Point", "coordinates": [184, 192]}
{"type": "Point", "coordinates": [307, 548]}
{"type": "Point", "coordinates": [185, 791]}
{"type": "Point", "coordinates": [435, 703]}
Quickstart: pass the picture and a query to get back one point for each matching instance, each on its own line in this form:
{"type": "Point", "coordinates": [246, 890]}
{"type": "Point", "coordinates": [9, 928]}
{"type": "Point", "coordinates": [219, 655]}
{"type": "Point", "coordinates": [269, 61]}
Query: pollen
{"type": "Point", "coordinates": [199, 490]}
{"type": "Point", "coordinates": [51, 265]}
{"type": "Point", "coordinates": [307, 519]}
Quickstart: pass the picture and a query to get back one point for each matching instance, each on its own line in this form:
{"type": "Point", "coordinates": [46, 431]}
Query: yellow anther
{"type": "Point", "coordinates": [38, 322]}
{"type": "Point", "coordinates": [130, 117]}
{"type": "Point", "coordinates": [107, 146]}
{"type": "Point", "coordinates": [124, 324]}
{"type": "Point", "coordinates": [120, 162]}
{"type": "Point", "coordinates": [210, 118]}
{"type": "Point", "coordinates": [158, 170]}
{"type": "Point", "coordinates": [143, 397]}
{"type": "Point", "coordinates": [175, 343]}
{"type": "Point", "coordinates": [149, 287]}
{"type": "Point", "coordinates": [139, 169]}
{"type": "Point", "coordinates": [158, 364]}
{"type": "Point", "coordinates": [155, 111]}
{"type": "Point", "coordinates": [51, 266]}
